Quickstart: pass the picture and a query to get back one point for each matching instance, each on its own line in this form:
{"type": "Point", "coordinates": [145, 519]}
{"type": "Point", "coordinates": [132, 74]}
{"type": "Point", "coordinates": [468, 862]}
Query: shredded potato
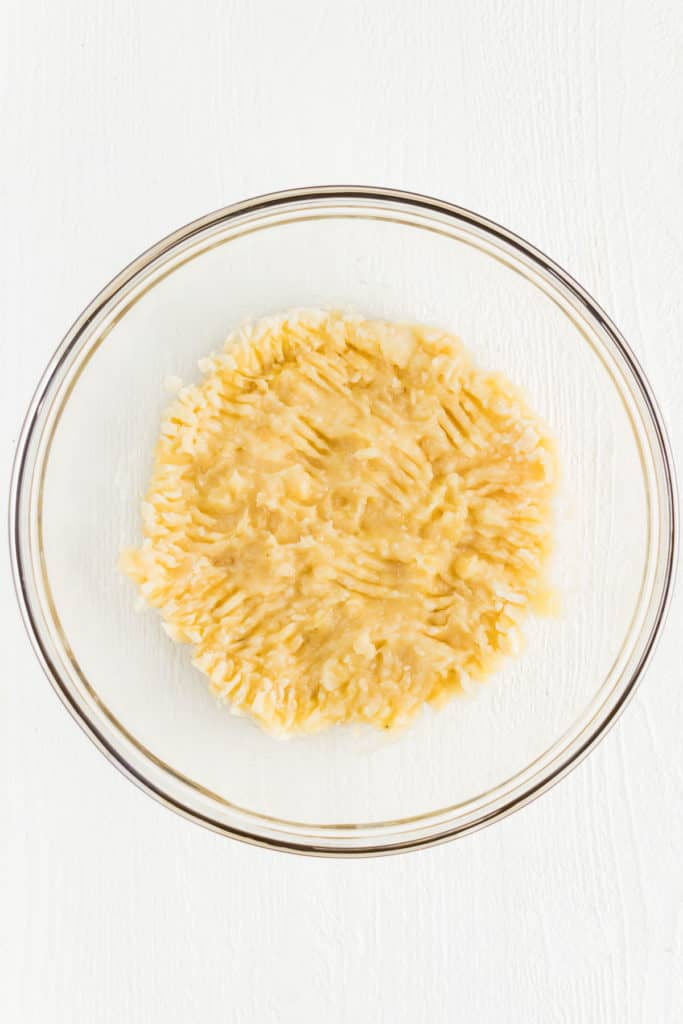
{"type": "Point", "coordinates": [346, 519]}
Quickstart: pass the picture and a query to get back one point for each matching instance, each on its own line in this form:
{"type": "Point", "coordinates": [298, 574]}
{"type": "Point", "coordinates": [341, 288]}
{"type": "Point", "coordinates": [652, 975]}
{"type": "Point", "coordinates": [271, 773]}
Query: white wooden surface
{"type": "Point", "coordinates": [122, 121]}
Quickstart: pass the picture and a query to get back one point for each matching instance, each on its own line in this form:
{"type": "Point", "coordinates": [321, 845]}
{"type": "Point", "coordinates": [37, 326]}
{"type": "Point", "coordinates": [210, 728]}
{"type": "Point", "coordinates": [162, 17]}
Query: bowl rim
{"type": "Point", "coordinates": [21, 479]}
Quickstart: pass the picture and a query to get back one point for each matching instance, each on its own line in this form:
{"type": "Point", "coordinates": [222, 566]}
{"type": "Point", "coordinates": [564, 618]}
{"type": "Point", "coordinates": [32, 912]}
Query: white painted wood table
{"type": "Point", "coordinates": [121, 122]}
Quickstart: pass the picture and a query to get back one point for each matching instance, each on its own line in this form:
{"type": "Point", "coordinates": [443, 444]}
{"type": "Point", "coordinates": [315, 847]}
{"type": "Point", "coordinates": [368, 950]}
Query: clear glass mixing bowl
{"type": "Point", "coordinates": [85, 455]}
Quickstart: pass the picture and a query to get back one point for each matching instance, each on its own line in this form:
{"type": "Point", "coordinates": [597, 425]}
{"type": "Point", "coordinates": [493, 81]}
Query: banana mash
{"type": "Point", "coordinates": [346, 519]}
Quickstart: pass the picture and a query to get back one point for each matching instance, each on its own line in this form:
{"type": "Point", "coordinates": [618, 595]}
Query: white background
{"type": "Point", "coordinates": [121, 121]}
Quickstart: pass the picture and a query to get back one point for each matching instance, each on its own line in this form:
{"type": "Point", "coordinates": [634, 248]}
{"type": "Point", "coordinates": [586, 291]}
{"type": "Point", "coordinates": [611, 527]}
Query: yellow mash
{"type": "Point", "coordinates": [346, 519]}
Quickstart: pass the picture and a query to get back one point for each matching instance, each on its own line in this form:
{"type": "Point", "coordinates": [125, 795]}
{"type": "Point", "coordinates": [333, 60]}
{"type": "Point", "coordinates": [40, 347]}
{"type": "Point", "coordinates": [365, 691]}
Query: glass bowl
{"type": "Point", "coordinates": [85, 455]}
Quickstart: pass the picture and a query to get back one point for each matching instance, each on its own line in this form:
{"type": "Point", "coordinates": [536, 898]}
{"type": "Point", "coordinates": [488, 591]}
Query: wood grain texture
{"type": "Point", "coordinates": [121, 122]}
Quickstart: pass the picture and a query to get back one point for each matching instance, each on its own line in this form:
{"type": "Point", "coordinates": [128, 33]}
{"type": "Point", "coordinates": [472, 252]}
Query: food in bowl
{"type": "Point", "coordinates": [347, 519]}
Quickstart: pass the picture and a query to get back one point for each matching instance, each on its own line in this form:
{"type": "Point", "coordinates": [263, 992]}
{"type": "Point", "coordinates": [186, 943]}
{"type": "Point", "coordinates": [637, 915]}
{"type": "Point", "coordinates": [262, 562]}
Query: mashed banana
{"type": "Point", "coordinates": [346, 519]}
